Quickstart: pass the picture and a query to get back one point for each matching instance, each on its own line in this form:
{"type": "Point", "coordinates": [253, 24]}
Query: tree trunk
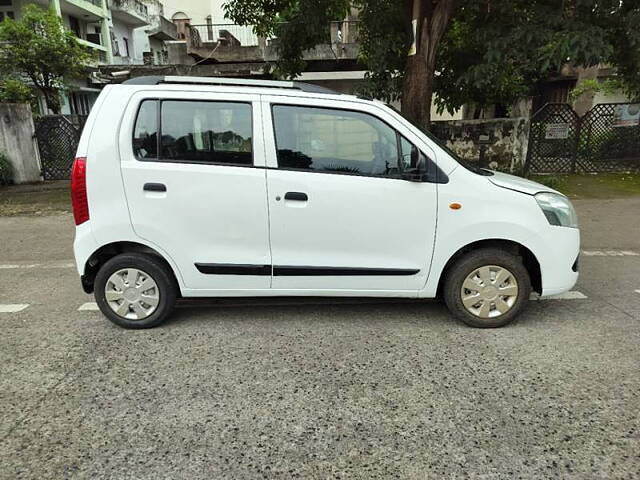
{"type": "Point", "coordinates": [52, 99]}
{"type": "Point", "coordinates": [432, 20]}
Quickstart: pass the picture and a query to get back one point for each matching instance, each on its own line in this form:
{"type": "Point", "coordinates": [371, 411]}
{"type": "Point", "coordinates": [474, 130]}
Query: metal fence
{"type": "Point", "coordinates": [58, 137]}
{"type": "Point", "coordinates": [605, 139]}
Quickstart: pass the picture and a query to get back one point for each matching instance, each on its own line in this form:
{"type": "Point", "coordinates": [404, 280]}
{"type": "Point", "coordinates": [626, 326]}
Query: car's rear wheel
{"type": "Point", "coordinates": [134, 290]}
{"type": "Point", "coordinates": [487, 288]}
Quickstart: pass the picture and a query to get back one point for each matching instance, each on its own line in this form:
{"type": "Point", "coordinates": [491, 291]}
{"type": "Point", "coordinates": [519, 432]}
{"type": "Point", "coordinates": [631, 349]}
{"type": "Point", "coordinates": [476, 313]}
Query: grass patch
{"type": "Point", "coordinates": [40, 199]}
{"type": "Point", "coordinates": [601, 185]}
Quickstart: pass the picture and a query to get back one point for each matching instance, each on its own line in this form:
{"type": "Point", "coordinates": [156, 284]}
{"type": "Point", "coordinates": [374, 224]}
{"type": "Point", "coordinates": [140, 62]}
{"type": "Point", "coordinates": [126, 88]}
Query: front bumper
{"type": "Point", "coordinates": [558, 255]}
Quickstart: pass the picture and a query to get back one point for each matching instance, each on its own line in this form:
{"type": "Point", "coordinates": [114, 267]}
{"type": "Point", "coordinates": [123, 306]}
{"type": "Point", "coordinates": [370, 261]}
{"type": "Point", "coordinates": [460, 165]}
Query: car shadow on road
{"type": "Point", "coordinates": [348, 312]}
{"type": "Point", "coordinates": [301, 310]}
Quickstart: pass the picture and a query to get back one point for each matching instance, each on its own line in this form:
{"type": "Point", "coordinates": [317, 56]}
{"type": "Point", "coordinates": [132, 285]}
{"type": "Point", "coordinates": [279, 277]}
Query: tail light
{"type": "Point", "coordinates": [79, 190]}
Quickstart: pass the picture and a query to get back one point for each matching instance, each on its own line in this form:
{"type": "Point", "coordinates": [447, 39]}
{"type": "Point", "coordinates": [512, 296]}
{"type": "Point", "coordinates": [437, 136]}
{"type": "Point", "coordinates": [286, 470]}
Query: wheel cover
{"type": "Point", "coordinates": [132, 294]}
{"type": "Point", "coordinates": [489, 291]}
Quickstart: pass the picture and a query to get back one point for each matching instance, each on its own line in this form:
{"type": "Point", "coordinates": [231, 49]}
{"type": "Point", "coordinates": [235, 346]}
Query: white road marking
{"type": "Point", "coordinates": [637, 291]}
{"type": "Point", "coordinates": [20, 266]}
{"type": "Point", "coordinates": [13, 308]}
{"type": "Point", "coordinates": [610, 253]}
{"type": "Point", "coordinates": [89, 307]}
{"type": "Point", "coordinates": [572, 295]}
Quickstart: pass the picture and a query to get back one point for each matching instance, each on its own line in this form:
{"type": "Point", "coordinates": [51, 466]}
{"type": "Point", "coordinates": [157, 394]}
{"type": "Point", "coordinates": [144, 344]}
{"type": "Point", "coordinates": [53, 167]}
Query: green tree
{"type": "Point", "coordinates": [481, 51]}
{"type": "Point", "coordinates": [495, 52]}
{"type": "Point", "coordinates": [39, 48]}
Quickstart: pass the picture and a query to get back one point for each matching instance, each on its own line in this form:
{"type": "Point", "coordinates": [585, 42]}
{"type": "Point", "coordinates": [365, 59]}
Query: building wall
{"type": "Point", "coordinates": [122, 31]}
{"type": "Point", "coordinates": [142, 42]}
{"type": "Point", "coordinates": [196, 10]}
{"type": "Point", "coordinates": [17, 141]}
{"type": "Point", "coordinates": [614, 97]}
{"type": "Point", "coordinates": [509, 140]}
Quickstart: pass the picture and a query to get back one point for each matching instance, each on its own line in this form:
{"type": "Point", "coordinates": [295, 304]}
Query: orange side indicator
{"type": "Point", "coordinates": [455, 206]}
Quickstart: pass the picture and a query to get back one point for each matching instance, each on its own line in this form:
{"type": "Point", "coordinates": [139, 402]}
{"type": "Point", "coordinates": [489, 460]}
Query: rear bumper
{"type": "Point", "coordinates": [83, 246]}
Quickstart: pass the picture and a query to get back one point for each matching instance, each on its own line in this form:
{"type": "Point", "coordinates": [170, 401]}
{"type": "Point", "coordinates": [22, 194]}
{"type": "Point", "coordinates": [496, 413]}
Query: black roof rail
{"type": "Point", "coordinates": [158, 80]}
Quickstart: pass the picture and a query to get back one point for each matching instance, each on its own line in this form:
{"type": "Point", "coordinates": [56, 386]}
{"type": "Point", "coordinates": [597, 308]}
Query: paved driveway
{"type": "Point", "coordinates": [320, 389]}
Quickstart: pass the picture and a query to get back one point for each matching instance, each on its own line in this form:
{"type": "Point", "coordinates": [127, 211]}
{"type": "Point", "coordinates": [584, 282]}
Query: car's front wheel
{"type": "Point", "coordinates": [487, 288]}
{"type": "Point", "coordinates": [134, 290]}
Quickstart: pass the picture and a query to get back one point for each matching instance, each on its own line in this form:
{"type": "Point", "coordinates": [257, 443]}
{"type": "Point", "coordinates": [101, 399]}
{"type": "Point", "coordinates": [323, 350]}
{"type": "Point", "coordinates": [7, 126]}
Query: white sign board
{"type": "Point", "coordinates": [556, 131]}
{"type": "Point", "coordinates": [626, 115]}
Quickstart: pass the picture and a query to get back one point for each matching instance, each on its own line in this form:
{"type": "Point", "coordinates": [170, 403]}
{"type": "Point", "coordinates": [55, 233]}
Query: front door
{"type": "Point", "coordinates": [192, 188]}
{"type": "Point", "coordinates": [342, 218]}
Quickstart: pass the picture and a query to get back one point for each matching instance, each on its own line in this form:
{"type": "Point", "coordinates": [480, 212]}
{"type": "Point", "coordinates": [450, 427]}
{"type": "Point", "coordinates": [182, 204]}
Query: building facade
{"type": "Point", "coordinates": [119, 32]}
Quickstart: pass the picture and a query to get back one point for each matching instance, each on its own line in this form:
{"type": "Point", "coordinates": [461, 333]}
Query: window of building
{"type": "Point", "coordinates": [74, 26]}
{"type": "Point", "coordinates": [6, 10]}
{"type": "Point", "coordinates": [125, 43]}
{"type": "Point", "coordinates": [338, 141]}
{"type": "Point", "coordinates": [193, 131]}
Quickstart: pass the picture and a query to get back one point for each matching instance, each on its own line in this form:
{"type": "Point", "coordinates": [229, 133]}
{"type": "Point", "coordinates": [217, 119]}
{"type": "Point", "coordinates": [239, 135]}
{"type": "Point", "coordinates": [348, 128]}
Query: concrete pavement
{"type": "Point", "coordinates": [358, 389]}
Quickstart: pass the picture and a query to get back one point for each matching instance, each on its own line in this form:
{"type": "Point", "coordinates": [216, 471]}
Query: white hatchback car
{"type": "Point", "coordinates": [213, 187]}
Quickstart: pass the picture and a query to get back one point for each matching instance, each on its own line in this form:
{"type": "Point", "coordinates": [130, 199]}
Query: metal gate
{"type": "Point", "coordinates": [553, 139]}
{"type": "Point", "coordinates": [605, 139]}
{"type": "Point", "coordinates": [610, 138]}
{"type": "Point", "coordinates": [57, 141]}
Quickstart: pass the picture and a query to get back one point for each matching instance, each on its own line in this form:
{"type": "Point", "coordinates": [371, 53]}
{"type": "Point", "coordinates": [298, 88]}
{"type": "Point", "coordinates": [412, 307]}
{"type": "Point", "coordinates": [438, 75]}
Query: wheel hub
{"type": "Point", "coordinates": [489, 291]}
{"type": "Point", "coordinates": [132, 294]}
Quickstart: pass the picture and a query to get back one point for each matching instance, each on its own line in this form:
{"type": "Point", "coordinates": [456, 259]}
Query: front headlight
{"type": "Point", "coordinates": [558, 209]}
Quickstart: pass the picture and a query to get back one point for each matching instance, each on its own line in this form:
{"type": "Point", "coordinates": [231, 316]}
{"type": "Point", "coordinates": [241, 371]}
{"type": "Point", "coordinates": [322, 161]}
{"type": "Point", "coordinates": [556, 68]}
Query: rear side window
{"type": "Point", "coordinates": [332, 140]}
{"type": "Point", "coordinates": [195, 132]}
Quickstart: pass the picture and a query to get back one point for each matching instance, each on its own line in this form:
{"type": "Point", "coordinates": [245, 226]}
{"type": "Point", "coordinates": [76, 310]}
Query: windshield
{"type": "Point", "coordinates": [465, 163]}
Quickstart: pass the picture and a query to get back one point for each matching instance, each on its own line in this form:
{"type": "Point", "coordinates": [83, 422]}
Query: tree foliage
{"type": "Point", "coordinates": [484, 51]}
{"type": "Point", "coordinates": [13, 90]}
{"type": "Point", "coordinates": [496, 52]}
{"type": "Point", "coordinates": [39, 48]}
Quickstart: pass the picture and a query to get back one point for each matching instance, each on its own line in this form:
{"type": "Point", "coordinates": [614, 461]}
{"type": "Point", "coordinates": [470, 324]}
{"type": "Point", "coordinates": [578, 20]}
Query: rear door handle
{"type": "Point", "coordinates": [155, 187]}
{"type": "Point", "coordinates": [299, 196]}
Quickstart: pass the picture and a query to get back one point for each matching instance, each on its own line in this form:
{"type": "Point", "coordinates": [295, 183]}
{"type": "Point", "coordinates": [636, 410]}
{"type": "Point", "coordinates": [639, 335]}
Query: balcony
{"type": "Point", "coordinates": [239, 44]}
{"type": "Point", "coordinates": [130, 12]}
{"type": "Point", "coordinates": [339, 32]}
{"type": "Point", "coordinates": [86, 9]}
{"type": "Point", "coordinates": [163, 29]}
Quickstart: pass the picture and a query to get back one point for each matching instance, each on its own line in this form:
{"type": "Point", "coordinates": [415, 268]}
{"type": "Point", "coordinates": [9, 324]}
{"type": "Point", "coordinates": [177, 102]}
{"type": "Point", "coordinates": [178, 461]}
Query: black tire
{"type": "Point", "coordinates": [457, 274]}
{"type": "Point", "coordinates": [152, 266]}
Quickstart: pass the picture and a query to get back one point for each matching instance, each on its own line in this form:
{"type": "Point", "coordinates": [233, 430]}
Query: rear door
{"type": "Point", "coordinates": [188, 166]}
{"type": "Point", "coordinates": [342, 218]}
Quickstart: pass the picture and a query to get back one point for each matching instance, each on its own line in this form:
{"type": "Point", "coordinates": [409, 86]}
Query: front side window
{"type": "Point", "coordinates": [336, 141]}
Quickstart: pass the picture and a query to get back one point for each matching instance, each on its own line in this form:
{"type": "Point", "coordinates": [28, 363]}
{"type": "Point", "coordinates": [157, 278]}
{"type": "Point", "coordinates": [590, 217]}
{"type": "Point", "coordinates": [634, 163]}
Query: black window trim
{"type": "Point", "coordinates": [159, 159]}
{"type": "Point", "coordinates": [439, 173]}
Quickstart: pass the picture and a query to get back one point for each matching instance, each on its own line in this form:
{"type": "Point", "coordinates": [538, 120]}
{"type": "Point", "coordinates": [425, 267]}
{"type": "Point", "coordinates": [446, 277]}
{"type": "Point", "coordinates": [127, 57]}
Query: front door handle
{"type": "Point", "coordinates": [299, 196]}
{"type": "Point", "coordinates": [154, 187]}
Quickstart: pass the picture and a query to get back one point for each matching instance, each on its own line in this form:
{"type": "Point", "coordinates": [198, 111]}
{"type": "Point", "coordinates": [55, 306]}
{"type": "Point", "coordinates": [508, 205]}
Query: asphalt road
{"type": "Point", "coordinates": [320, 389]}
